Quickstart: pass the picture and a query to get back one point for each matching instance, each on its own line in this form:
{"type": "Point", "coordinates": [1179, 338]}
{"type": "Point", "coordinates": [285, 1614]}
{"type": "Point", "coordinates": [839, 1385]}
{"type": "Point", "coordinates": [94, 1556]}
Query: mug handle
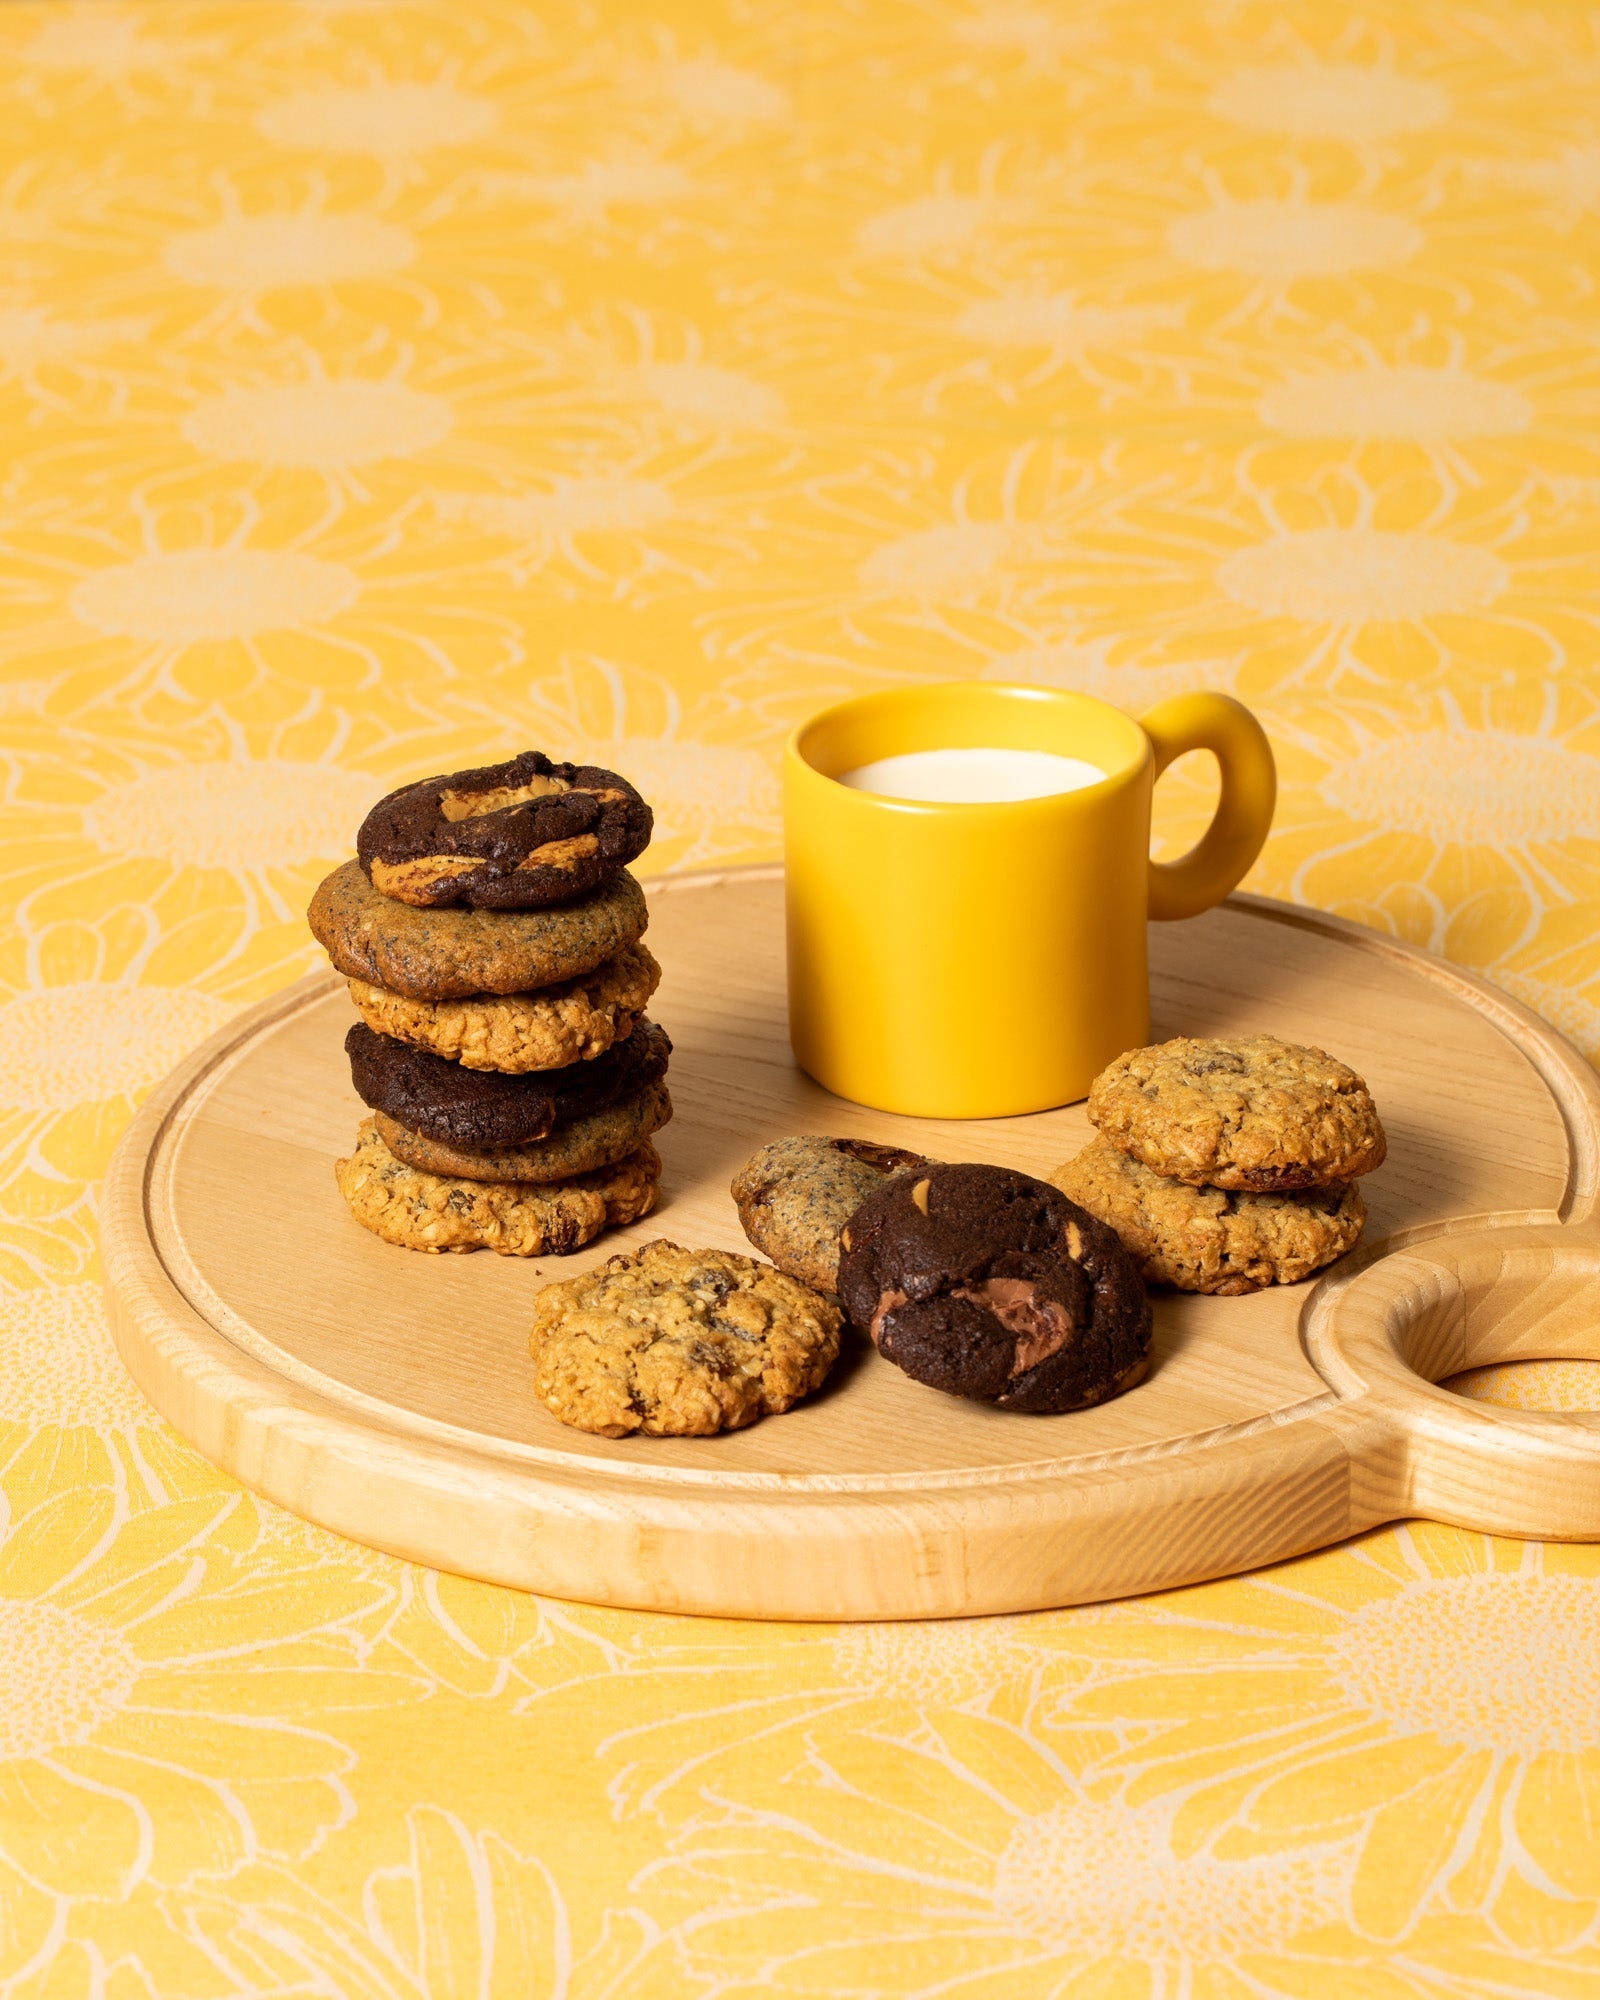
{"type": "Point", "coordinates": [1220, 859]}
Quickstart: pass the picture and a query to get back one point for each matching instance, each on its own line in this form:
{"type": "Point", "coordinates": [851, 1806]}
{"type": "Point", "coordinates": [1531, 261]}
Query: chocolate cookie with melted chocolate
{"type": "Point", "coordinates": [988, 1283]}
{"type": "Point", "coordinates": [480, 1110]}
{"type": "Point", "coordinates": [521, 835]}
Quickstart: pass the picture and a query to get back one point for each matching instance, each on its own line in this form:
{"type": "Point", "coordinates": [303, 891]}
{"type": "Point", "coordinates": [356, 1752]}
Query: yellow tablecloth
{"type": "Point", "coordinates": [387, 386]}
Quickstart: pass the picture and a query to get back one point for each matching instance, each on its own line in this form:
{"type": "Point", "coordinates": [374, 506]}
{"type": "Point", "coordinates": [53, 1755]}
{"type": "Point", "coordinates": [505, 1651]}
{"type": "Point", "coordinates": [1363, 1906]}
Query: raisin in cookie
{"type": "Point", "coordinates": [478, 1110]}
{"type": "Point", "coordinates": [512, 1032]}
{"type": "Point", "coordinates": [1209, 1239]}
{"type": "Point", "coordinates": [988, 1283]}
{"type": "Point", "coordinates": [598, 1140]}
{"type": "Point", "coordinates": [514, 836]}
{"type": "Point", "coordinates": [1249, 1112]}
{"type": "Point", "coordinates": [453, 954]}
{"type": "Point", "coordinates": [795, 1195]}
{"type": "Point", "coordinates": [434, 1212]}
{"type": "Point", "coordinates": [679, 1343]}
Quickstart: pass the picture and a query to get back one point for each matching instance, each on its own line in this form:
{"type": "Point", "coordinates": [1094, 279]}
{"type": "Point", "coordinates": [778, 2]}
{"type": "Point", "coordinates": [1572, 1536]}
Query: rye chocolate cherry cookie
{"type": "Point", "coordinates": [1249, 1112]}
{"type": "Point", "coordinates": [1210, 1239]}
{"type": "Point", "coordinates": [454, 954]}
{"type": "Point", "coordinates": [478, 1110]}
{"type": "Point", "coordinates": [514, 836]}
{"type": "Point", "coordinates": [573, 1022]}
{"type": "Point", "coordinates": [988, 1283]}
{"type": "Point", "coordinates": [795, 1196]}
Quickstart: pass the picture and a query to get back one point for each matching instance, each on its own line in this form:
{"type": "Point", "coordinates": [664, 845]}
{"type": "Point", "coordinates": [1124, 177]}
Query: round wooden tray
{"type": "Point", "coordinates": [388, 1395]}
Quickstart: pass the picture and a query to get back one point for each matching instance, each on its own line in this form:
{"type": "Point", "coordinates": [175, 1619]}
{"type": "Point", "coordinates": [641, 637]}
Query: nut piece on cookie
{"type": "Point", "coordinates": [1209, 1239]}
{"type": "Point", "coordinates": [574, 1021]}
{"type": "Point", "coordinates": [514, 836]}
{"type": "Point", "coordinates": [679, 1343]}
{"type": "Point", "coordinates": [988, 1283]}
{"type": "Point", "coordinates": [795, 1196]}
{"type": "Point", "coordinates": [1249, 1112]}
{"type": "Point", "coordinates": [433, 1212]}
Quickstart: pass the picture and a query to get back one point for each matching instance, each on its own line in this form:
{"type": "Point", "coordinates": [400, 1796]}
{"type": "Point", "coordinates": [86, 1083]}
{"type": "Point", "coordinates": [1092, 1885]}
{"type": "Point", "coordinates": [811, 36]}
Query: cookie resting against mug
{"type": "Point", "coordinates": [988, 1283]}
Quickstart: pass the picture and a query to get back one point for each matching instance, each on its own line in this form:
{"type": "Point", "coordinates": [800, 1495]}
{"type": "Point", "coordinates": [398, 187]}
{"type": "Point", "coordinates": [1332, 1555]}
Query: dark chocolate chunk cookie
{"type": "Point", "coordinates": [479, 1109]}
{"type": "Point", "coordinates": [514, 836]}
{"type": "Point", "coordinates": [795, 1195]}
{"type": "Point", "coordinates": [988, 1283]}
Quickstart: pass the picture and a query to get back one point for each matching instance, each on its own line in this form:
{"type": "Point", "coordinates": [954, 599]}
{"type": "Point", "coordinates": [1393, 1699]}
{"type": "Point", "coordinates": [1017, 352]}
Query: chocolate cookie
{"type": "Point", "coordinates": [679, 1343]}
{"type": "Point", "coordinates": [514, 836]}
{"type": "Point", "coordinates": [1208, 1239]}
{"type": "Point", "coordinates": [435, 1213]}
{"type": "Point", "coordinates": [795, 1195]}
{"type": "Point", "coordinates": [478, 1109]}
{"type": "Point", "coordinates": [596, 1139]}
{"type": "Point", "coordinates": [572, 1022]}
{"type": "Point", "coordinates": [452, 954]}
{"type": "Point", "coordinates": [1248, 1112]}
{"type": "Point", "coordinates": [987, 1283]}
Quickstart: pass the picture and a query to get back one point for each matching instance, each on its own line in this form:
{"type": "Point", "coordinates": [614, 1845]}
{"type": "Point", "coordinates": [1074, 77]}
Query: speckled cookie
{"type": "Point", "coordinates": [433, 1212]}
{"type": "Point", "coordinates": [1207, 1239]}
{"type": "Point", "coordinates": [1250, 1112]}
{"type": "Point", "coordinates": [479, 1110]}
{"type": "Point", "coordinates": [679, 1343]}
{"type": "Point", "coordinates": [513, 1032]}
{"type": "Point", "coordinates": [521, 835]}
{"type": "Point", "coordinates": [454, 954]}
{"type": "Point", "coordinates": [597, 1140]}
{"type": "Point", "coordinates": [795, 1195]}
{"type": "Point", "coordinates": [988, 1283]}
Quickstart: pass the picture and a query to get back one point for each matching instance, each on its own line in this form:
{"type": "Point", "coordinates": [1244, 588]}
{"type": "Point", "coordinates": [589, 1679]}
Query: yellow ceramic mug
{"type": "Point", "coordinates": [970, 961]}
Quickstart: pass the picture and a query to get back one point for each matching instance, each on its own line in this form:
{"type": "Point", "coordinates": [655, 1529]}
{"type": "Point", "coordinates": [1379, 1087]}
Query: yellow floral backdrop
{"type": "Point", "coordinates": [387, 384]}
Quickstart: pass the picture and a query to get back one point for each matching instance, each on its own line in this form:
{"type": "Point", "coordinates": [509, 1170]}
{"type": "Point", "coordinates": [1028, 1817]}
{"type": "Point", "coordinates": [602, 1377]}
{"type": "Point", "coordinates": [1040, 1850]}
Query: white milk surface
{"type": "Point", "coordinates": [972, 777]}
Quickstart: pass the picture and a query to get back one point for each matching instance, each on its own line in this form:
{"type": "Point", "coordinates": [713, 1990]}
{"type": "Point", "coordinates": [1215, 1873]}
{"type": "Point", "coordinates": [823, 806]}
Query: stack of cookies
{"type": "Point", "coordinates": [490, 932]}
{"type": "Point", "coordinates": [1226, 1166]}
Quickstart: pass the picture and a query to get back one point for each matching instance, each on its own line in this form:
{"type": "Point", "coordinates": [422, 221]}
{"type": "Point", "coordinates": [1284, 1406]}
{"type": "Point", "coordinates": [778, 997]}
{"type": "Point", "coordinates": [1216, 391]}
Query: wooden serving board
{"type": "Point", "coordinates": [388, 1395]}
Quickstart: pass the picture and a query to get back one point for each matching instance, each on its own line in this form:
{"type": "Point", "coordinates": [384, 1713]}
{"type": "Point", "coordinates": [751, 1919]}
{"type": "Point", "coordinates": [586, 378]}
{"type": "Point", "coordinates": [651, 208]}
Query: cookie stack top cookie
{"type": "Point", "coordinates": [1228, 1164]}
{"type": "Point", "coordinates": [491, 936]}
{"type": "Point", "coordinates": [522, 835]}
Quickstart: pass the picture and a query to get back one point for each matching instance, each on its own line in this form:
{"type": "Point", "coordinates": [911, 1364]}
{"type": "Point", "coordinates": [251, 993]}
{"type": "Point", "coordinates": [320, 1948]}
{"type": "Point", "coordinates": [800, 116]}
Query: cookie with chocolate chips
{"type": "Point", "coordinates": [795, 1195]}
{"type": "Point", "coordinates": [453, 954]}
{"type": "Point", "coordinates": [479, 1110]}
{"type": "Point", "coordinates": [988, 1283]}
{"type": "Point", "coordinates": [514, 836]}
{"type": "Point", "coordinates": [1247, 1112]}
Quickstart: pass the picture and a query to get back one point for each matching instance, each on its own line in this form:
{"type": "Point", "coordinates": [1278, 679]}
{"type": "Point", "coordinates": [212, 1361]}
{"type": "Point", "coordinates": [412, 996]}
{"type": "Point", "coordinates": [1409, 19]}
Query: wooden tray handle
{"type": "Point", "coordinates": [1388, 1335]}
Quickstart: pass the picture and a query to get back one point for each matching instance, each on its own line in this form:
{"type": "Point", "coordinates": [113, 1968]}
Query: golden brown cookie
{"type": "Point", "coordinates": [1207, 1239]}
{"type": "Point", "coordinates": [453, 954]}
{"type": "Point", "coordinates": [434, 1212]}
{"type": "Point", "coordinates": [513, 1032]}
{"type": "Point", "coordinates": [795, 1195]}
{"type": "Point", "coordinates": [1249, 1112]}
{"type": "Point", "coordinates": [679, 1343]}
{"type": "Point", "coordinates": [599, 1139]}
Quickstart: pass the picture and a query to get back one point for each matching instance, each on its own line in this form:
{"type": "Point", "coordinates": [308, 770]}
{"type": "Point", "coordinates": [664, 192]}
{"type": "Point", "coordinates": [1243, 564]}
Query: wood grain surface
{"type": "Point", "coordinates": [388, 1394]}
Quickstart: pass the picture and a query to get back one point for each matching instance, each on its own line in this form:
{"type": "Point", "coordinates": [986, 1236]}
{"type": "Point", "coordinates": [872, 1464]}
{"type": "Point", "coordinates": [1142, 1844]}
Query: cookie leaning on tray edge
{"type": "Point", "coordinates": [490, 934]}
{"type": "Point", "coordinates": [491, 937]}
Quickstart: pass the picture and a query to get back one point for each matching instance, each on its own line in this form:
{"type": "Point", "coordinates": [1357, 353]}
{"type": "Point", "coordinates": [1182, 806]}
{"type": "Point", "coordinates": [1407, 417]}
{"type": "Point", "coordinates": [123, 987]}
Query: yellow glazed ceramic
{"type": "Point", "coordinates": [971, 961]}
